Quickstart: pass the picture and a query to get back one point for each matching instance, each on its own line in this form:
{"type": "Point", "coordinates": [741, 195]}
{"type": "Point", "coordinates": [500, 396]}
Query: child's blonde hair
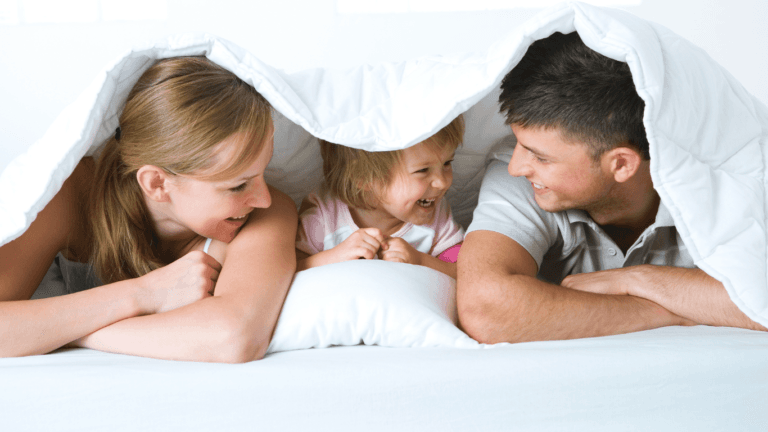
{"type": "Point", "coordinates": [356, 176]}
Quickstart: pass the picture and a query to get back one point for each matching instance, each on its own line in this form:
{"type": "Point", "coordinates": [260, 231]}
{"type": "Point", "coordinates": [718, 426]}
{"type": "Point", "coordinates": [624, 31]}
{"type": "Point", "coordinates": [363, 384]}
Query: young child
{"type": "Point", "coordinates": [385, 204]}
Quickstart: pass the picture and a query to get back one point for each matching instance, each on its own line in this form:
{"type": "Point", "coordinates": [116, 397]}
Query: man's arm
{"type": "Point", "coordinates": [689, 293]}
{"type": "Point", "coordinates": [500, 300]}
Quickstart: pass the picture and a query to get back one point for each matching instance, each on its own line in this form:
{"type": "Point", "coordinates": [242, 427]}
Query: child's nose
{"type": "Point", "coordinates": [440, 181]}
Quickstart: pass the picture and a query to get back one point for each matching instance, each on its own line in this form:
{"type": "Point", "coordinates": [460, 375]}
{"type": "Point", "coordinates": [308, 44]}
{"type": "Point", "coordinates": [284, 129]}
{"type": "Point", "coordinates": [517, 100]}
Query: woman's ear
{"type": "Point", "coordinates": [155, 183]}
{"type": "Point", "coordinates": [623, 163]}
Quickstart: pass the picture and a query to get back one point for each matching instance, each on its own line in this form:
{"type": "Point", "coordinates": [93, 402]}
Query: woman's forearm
{"type": "Point", "coordinates": [31, 327]}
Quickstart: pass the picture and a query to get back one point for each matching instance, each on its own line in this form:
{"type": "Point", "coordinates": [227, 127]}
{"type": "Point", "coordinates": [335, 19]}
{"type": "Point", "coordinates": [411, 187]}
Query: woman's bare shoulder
{"type": "Point", "coordinates": [275, 224]}
{"type": "Point", "coordinates": [25, 260]}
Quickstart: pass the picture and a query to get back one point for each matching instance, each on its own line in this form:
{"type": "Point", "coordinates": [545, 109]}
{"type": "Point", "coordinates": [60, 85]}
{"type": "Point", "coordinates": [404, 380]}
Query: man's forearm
{"type": "Point", "coordinates": [517, 308]}
{"type": "Point", "coordinates": [690, 293]}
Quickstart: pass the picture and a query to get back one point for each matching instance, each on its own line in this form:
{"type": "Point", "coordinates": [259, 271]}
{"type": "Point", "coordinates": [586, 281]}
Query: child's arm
{"type": "Point", "coordinates": [398, 250]}
{"type": "Point", "coordinates": [363, 243]}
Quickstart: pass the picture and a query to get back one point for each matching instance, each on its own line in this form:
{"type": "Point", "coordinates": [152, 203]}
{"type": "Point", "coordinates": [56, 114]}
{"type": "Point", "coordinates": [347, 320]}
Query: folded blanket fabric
{"type": "Point", "coordinates": [707, 134]}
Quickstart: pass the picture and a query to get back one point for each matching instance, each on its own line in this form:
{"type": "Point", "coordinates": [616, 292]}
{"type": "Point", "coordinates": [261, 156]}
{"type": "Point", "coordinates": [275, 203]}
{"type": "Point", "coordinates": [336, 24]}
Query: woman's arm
{"type": "Point", "coordinates": [236, 324]}
{"type": "Point", "coordinates": [29, 327]}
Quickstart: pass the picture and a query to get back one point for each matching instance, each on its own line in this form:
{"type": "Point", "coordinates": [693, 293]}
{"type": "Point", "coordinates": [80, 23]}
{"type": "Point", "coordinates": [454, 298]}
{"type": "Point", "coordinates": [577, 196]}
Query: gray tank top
{"type": "Point", "coordinates": [66, 277]}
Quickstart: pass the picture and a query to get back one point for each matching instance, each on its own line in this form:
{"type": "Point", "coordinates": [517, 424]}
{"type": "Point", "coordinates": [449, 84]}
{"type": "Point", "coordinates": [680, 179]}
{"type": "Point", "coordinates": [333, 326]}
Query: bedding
{"type": "Point", "coordinates": [707, 136]}
{"type": "Point", "coordinates": [670, 379]}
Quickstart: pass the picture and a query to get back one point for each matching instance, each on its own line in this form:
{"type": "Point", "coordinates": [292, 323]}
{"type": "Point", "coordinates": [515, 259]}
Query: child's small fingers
{"type": "Point", "coordinates": [375, 233]}
{"type": "Point", "coordinates": [372, 241]}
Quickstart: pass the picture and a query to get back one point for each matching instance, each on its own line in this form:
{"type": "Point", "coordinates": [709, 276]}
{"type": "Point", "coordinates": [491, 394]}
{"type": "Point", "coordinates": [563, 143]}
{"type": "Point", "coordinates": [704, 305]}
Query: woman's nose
{"type": "Point", "coordinates": [260, 198]}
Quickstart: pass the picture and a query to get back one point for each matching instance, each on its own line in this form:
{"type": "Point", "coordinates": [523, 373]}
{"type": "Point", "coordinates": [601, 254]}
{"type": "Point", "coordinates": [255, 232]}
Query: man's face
{"type": "Point", "coordinates": [563, 175]}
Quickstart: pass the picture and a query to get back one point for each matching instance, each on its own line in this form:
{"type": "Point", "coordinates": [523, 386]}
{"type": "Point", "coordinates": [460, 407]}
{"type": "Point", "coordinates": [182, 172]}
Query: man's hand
{"type": "Point", "coordinates": [615, 282]}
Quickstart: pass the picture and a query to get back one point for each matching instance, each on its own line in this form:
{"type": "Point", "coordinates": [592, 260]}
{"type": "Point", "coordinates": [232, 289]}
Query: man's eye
{"type": "Point", "coordinates": [448, 163]}
{"type": "Point", "coordinates": [422, 171]}
{"type": "Point", "coordinates": [238, 188]}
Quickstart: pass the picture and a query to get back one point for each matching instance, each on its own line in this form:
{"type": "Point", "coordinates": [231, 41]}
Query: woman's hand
{"type": "Point", "coordinates": [363, 243]}
{"type": "Point", "coordinates": [396, 249]}
{"type": "Point", "coordinates": [184, 281]}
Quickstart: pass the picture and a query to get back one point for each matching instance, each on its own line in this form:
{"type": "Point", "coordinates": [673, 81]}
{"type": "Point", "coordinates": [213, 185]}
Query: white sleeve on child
{"type": "Point", "coordinates": [447, 232]}
{"type": "Point", "coordinates": [311, 232]}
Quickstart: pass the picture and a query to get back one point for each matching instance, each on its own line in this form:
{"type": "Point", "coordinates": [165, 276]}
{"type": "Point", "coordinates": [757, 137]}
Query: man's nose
{"type": "Point", "coordinates": [518, 167]}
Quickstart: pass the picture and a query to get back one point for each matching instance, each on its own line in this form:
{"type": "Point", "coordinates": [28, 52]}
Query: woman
{"type": "Point", "coordinates": [183, 173]}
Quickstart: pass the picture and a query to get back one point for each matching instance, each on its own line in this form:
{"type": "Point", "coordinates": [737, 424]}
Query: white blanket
{"type": "Point", "coordinates": [707, 134]}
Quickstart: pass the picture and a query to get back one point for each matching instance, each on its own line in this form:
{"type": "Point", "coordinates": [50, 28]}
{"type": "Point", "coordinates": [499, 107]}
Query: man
{"type": "Point", "coordinates": [570, 239]}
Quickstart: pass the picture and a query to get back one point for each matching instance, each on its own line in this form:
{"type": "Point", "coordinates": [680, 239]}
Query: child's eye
{"type": "Point", "coordinates": [238, 188]}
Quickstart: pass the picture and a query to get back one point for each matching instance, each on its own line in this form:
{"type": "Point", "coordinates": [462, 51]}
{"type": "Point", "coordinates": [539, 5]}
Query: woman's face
{"type": "Point", "coordinates": [218, 209]}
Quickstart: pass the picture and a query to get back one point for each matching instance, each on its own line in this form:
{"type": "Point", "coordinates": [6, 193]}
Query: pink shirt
{"type": "Point", "coordinates": [326, 222]}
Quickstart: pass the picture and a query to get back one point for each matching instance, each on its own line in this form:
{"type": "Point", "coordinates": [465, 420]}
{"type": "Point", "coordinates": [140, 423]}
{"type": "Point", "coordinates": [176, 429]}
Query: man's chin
{"type": "Point", "coordinates": [549, 206]}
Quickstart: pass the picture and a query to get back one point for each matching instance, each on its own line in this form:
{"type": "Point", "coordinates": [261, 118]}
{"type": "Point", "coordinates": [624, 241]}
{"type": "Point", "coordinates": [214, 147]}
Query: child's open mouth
{"type": "Point", "coordinates": [426, 203]}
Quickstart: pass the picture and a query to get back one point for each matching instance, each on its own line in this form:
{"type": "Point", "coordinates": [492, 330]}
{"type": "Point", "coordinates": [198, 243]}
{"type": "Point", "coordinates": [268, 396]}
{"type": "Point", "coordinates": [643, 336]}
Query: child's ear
{"type": "Point", "coordinates": [154, 182]}
{"type": "Point", "coordinates": [623, 163]}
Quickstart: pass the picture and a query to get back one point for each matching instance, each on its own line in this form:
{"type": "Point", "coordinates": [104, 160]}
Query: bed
{"type": "Point", "coordinates": [374, 345]}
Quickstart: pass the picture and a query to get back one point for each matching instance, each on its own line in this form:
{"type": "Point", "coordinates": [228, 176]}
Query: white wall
{"type": "Point", "coordinates": [43, 67]}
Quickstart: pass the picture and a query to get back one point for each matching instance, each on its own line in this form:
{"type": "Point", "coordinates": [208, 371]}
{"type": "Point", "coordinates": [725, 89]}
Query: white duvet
{"type": "Point", "coordinates": [708, 138]}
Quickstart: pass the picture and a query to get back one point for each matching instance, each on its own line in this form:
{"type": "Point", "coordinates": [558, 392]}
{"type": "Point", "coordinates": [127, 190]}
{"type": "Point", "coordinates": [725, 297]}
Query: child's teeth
{"type": "Point", "coordinates": [426, 203]}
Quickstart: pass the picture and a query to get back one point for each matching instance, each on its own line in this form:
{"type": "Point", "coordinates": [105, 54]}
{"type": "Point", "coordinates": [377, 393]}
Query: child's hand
{"type": "Point", "coordinates": [396, 249]}
{"type": "Point", "coordinates": [363, 243]}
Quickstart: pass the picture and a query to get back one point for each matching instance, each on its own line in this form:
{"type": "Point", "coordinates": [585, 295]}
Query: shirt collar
{"type": "Point", "coordinates": [663, 217]}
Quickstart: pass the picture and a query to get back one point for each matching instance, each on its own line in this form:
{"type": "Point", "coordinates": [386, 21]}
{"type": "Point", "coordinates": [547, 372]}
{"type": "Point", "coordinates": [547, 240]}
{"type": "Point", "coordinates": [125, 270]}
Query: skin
{"type": "Point", "coordinates": [423, 174]}
{"type": "Point", "coordinates": [499, 298]}
{"type": "Point", "coordinates": [200, 307]}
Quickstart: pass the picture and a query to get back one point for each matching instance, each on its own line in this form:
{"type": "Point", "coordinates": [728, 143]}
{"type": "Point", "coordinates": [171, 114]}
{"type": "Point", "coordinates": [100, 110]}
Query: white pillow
{"type": "Point", "coordinates": [373, 302]}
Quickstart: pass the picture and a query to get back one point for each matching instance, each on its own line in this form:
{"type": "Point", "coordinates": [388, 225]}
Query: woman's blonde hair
{"type": "Point", "coordinates": [356, 177]}
{"type": "Point", "coordinates": [174, 118]}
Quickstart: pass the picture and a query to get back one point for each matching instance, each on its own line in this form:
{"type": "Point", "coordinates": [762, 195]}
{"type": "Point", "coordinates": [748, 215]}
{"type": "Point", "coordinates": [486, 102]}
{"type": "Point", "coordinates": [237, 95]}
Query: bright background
{"type": "Point", "coordinates": [50, 50]}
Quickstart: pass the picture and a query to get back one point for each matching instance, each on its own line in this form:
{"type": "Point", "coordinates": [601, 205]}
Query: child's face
{"type": "Point", "coordinates": [419, 183]}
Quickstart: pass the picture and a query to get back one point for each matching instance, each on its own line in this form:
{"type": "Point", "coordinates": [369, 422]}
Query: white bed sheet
{"type": "Point", "coordinates": [670, 379]}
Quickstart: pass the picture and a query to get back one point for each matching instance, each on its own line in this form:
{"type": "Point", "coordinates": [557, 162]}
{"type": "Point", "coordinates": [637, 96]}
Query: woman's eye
{"type": "Point", "coordinates": [238, 188]}
{"type": "Point", "coordinates": [422, 171]}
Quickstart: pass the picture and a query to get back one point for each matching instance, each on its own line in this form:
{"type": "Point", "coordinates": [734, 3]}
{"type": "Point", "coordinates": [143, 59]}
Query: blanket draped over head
{"type": "Point", "coordinates": [707, 135]}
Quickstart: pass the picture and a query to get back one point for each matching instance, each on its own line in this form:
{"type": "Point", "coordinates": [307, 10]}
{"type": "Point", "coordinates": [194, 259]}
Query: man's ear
{"type": "Point", "coordinates": [154, 182]}
{"type": "Point", "coordinates": [623, 163]}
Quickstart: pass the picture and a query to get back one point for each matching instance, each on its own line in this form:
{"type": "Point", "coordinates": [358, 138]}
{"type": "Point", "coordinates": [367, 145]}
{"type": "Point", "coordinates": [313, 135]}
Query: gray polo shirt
{"type": "Point", "coordinates": [567, 242]}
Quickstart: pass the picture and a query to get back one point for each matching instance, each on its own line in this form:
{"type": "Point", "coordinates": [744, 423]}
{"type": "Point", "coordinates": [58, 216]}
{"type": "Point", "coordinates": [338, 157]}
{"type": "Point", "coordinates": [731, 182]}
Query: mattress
{"type": "Point", "coordinates": [669, 379]}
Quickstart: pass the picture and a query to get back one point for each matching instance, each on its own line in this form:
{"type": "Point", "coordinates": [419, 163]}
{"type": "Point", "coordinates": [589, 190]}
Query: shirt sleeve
{"type": "Point", "coordinates": [507, 206]}
{"type": "Point", "coordinates": [448, 233]}
{"type": "Point", "coordinates": [311, 231]}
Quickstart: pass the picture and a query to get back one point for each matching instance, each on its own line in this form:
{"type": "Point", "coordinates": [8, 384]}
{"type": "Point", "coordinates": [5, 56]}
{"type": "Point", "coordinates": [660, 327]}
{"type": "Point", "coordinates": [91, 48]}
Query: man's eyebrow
{"type": "Point", "coordinates": [532, 150]}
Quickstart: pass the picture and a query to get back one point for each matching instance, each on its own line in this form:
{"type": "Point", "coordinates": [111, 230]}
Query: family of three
{"type": "Point", "coordinates": [172, 245]}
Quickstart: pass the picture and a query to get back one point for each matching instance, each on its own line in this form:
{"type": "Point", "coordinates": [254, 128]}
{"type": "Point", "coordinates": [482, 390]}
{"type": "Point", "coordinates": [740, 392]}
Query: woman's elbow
{"type": "Point", "coordinates": [239, 344]}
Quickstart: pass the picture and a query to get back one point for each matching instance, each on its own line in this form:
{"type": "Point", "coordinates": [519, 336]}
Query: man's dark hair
{"type": "Point", "coordinates": [561, 83]}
